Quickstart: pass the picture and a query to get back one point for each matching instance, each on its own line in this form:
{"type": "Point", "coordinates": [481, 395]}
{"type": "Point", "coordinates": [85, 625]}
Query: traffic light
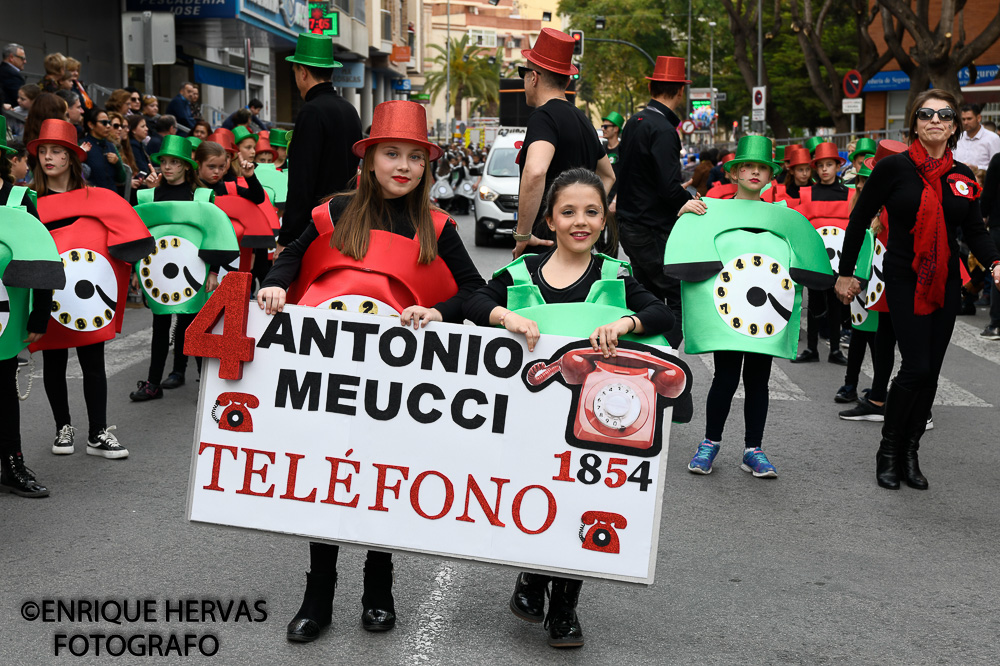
{"type": "Point", "coordinates": [579, 70]}
{"type": "Point", "coordinates": [746, 124]}
{"type": "Point", "coordinates": [577, 36]}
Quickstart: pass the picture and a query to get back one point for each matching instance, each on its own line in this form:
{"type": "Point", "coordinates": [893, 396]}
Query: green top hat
{"type": "Point", "coordinates": [752, 148]}
{"type": "Point", "coordinates": [616, 119]}
{"type": "Point", "coordinates": [779, 154]}
{"type": "Point", "coordinates": [278, 138]}
{"type": "Point", "coordinates": [812, 143]}
{"type": "Point", "coordinates": [314, 51]}
{"type": "Point", "coordinates": [864, 146]}
{"type": "Point", "coordinates": [195, 142]}
{"type": "Point", "coordinates": [175, 146]}
{"type": "Point", "coordinates": [3, 136]}
{"type": "Point", "coordinates": [866, 167]}
{"type": "Point", "coordinates": [241, 133]}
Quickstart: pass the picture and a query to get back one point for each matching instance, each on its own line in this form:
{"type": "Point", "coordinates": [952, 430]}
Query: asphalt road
{"type": "Point", "coordinates": [817, 567]}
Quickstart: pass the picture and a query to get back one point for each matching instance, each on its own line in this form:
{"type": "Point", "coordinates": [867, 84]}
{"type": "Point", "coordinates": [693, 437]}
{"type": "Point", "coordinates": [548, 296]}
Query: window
{"type": "Point", "coordinates": [895, 110]}
{"type": "Point", "coordinates": [359, 9]}
{"type": "Point", "coordinates": [386, 25]}
{"type": "Point", "coordinates": [487, 38]}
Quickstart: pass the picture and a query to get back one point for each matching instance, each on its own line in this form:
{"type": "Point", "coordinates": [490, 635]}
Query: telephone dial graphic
{"type": "Point", "coordinates": [361, 304]}
{"type": "Point", "coordinates": [89, 301]}
{"type": "Point", "coordinates": [173, 272]}
{"type": "Point", "coordinates": [833, 239]}
{"type": "Point", "coordinates": [617, 407]}
{"type": "Point", "coordinates": [754, 295]}
{"type": "Point", "coordinates": [602, 536]}
{"type": "Point", "coordinates": [236, 411]}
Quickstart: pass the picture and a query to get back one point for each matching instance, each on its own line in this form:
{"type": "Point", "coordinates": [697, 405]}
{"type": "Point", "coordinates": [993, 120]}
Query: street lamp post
{"type": "Point", "coordinates": [447, 77]}
{"type": "Point", "coordinates": [760, 57]}
{"type": "Point", "coordinates": [711, 74]}
{"type": "Point", "coordinates": [687, 86]}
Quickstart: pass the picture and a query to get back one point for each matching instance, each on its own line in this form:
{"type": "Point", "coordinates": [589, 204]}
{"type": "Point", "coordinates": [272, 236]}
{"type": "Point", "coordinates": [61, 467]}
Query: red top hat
{"type": "Point", "coordinates": [869, 163]}
{"type": "Point", "coordinates": [669, 69]}
{"type": "Point", "coordinates": [59, 132]}
{"type": "Point", "coordinates": [727, 157]}
{"type": "Point", "coordinates": [827, 151]}
{"type": "Point", "coordinates": [224, 138]}
{"type": "Point", "coordinates": [553, 51]}
{"type": "Point", "coordinates": [264, 144]}
{"type": "Point", "coordinates": [796, 156]}
{"type": "Point", "coordinates": [789, 147]}
{"type": "Point", "coordinates": [399, 120]}
{"type": "Point", "coordinates": [888, 147]}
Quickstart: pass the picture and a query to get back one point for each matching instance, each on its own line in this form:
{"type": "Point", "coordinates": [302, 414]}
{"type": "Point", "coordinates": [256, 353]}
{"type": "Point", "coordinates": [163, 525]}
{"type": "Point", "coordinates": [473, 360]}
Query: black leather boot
{"type": "Point", "coordinates": [18, 479]}
{"type": "Point", "coordinates": [899, 403]}
{"type": "Point", "coordinates": [562, 621]}
{"type": "Point", "coordinates": [909, 468]}
{"type": "Point", "coordinates": [378, 607]}
{"type": "Point", "coordinates": [528, 600]}
{"type": "Point", "coordinates": [316, 610]}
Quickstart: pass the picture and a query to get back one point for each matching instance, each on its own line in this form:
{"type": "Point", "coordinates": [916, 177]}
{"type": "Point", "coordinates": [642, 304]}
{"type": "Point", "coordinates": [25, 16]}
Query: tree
{"type": "Point", "coordinates": [472, 77]}
{"type": "Point", "coordinates": [937, 53]}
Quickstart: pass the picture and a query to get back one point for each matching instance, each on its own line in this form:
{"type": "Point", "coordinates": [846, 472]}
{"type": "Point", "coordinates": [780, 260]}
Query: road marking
{"type": "Point", "coordinates": [432, 617]}
{"type": "Point", "coordinates": [780, 387]}
{"type": "Point", "coordinates": [119, 354]}
{"type": "Point", "coordinates": [968, 338]}
{"type": "Point", "coordinates": [948, 394]}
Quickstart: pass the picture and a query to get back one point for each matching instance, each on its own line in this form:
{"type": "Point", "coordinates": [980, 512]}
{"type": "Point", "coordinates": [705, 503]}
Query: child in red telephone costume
{"type": "Point", "coordinates": [380, 249]}
{"type": "Point", "coordinates": [576, 211]}
{"type": "Point", "coordinates": [98, 236]}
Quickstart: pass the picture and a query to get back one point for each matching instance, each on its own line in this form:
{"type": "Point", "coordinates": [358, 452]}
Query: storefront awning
{"type": "Point", "coordinates": [216, 75]}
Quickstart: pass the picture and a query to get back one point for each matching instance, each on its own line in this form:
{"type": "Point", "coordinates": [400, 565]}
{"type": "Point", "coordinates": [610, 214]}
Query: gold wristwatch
{"type": "Point", "coordinates": [520, 238]}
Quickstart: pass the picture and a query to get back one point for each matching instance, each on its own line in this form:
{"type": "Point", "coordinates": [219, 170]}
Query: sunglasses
{"type": "Point", "coordinates": [523, 71]}
{"type": "Point", "coordinates": [607, 126]}
{"type": "Point", "coordinates": [947, 114]}
{"type": "Point", "coordinates": [116, 126]}
{"type": "Point", "coordinates": [104, 122]}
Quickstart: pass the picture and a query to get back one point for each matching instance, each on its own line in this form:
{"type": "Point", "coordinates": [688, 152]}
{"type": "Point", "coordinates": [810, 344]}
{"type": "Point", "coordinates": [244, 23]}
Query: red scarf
{"type": "Point", "coordinates": [930, 235]}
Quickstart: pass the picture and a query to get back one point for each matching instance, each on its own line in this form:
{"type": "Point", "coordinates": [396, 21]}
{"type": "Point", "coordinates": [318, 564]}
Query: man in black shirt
{"type": "Point", "coordinates": [326, 128]}
{"type": "Point", "coordinates": [559, 136]}
{"type": "Point", "coordinates": [649, 187]}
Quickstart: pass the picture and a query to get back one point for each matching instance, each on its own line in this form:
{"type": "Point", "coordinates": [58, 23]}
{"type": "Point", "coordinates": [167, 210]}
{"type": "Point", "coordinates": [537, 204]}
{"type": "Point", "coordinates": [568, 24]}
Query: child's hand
{"type": "Point", "coordinates": [515, 323]}
{"type": "Point", "coordinates": [271, 299]}
{"type": "Point", "coordinates": [211, 283]}
{"type": "Point", "coordinates": [33, 338]}
{"type": "Point", "coordinates": [419, 316]}
{"type": "Point", "coordinates": [134, 283]}
{"type": "Point", "coordinates": [696, 206]}
{"type": "Point", "coordinates": [605, 338]}
{"type": "Point", "coordinates": [247, 167]}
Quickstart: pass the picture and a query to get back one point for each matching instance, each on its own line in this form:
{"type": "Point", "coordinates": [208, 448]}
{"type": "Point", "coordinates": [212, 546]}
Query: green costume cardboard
{"type": "Point", "coordinates": [741, 290]}
{"type": "Point", "coordinates": [28, 260]}
{"type": "Point", "coordinates": [604, 304]}
{"type": "Point", "coordinates": [274, 181]}
{"type": "Point", "coordinates": [872, 252]}
{"type": "Point", "coordinates": [190, 236]}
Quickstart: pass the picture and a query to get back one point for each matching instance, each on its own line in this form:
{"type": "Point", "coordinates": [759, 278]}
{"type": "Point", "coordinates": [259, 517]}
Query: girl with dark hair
{"type": "Point", "coordinates": [576, 212]}
{"type": "Point", "coordinates": [377, 225]}
{"type": "Point", "coordinates": [929, 198]}
{"type": "Point", "coordinates": [138, 130]}
{"type": "Point", "coordinates": [45, 106]}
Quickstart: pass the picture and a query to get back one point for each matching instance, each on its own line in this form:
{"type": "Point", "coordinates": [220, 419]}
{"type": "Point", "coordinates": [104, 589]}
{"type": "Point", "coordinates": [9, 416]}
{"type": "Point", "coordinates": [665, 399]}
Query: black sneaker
{"type": "Point", "coordinates": [807, 356]}
{"type": "Point", "coordinates": [106, 445]}
{"type": "Point", "coordinates": [837, 357]}
{"type": "Point", "coordinates": [847, 393]}
{"type": "Point", "coordinates": [864, 411]}
{"type": "Point", "coordinates": [63, 445]}
{"type": "Point", "coordinates": [991, 332]}
{"type": "Point", "coordinates": [173, 380]}
{"type": "Point", "coordinates": [145, 391]}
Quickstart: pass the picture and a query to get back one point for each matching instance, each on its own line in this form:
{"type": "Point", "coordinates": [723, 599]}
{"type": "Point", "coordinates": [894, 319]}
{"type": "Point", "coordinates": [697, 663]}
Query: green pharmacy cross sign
{"type": "Point", "coordinates": [322, 21]}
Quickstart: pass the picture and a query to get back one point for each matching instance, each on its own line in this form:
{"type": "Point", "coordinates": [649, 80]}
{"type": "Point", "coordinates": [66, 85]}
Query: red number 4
{"type": "Point", "coordinates": [231, 303]}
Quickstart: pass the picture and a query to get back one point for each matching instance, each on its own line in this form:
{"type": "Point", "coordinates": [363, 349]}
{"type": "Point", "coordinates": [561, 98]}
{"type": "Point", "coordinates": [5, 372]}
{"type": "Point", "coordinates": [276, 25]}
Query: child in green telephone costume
{"type": "Point", "coordinates": [569, 291]}
{"type": "Point", "coordinates": [742, 263]}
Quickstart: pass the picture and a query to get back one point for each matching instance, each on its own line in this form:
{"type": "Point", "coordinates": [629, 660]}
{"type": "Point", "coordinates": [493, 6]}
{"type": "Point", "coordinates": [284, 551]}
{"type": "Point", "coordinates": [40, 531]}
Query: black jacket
{"type": "Point", "coordinates": [649, 169]}
{"type": "Point", "coordinates": [11, 80]}
{"type": "Point", "coordinates": [321, 162]}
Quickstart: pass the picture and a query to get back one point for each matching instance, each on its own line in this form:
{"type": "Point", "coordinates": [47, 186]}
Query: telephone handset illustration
{"type": "Point", "coordinates": [602, 536]}
{"type": "Point", "coordinates": [236, 411]}
{"type": "Point", "coordinates": [617, 403]}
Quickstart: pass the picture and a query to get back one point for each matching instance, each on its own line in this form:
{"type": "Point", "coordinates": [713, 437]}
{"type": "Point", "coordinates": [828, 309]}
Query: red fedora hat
{"type": "Point", "coordinates": [827, 151]}
{"type": "Point", "coordinates": [224, 138]}
{"type": "Point", "coordinates": [399, 120]}
{"type": "Point", "coordinates": [796, 156]}
{"type": "Point", "coordinates": [553, 52]}
{"type": "Point", "coordinates": [59, 132]}
{"type": "Point", "coordinates": [669, 70]}
{"type": "Point", "coordinates": [888, 147]}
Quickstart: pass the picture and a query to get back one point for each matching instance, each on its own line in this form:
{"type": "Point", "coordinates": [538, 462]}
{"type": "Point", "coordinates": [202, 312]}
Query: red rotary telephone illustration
{"type": "Point", "coordinates": [236, 412]}
{"type": "Point", "coordinates": [602, 536]}
{"type": "Point", "coordinates": [617, 403]}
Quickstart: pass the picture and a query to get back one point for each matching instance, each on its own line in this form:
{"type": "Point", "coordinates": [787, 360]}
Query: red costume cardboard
{"type": "Point", "coordinates": [721, 191]}
{"type": "Point", "coordinates": [253, 229]}
{"type": "Point", "coordinates": [98, 250]}
{"type": "Point", "coordinates": [829, 219]}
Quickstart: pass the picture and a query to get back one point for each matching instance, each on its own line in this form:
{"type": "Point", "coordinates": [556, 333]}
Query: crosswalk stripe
{"type": "Point", "coordinates": [780, 387]}
{"type": "Point", "coordinates": [948, 394]}
{"type": "Point", "coordinates": [119, 354]}
{"type": "Point", "coordinates": [968, 338]}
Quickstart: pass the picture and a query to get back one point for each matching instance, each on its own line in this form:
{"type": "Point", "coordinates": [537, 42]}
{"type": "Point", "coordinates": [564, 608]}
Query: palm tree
{"type": "Point", "coordinates": [471, 75]}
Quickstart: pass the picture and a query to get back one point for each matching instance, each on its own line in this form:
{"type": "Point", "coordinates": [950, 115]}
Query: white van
{"type": "Point", "coordinates": [496, 202]}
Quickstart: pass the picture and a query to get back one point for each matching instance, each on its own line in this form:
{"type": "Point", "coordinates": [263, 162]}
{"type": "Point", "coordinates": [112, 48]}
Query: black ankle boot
{"type": "Point", "coordinates": [899, 404]}
{"type": "Point", "coordinates": [528, 600]}
{"type": "Point", "coordinates": [378, 607]}
{"type": "Point", "coordinates": [915, 427]}
{"type": "Point", "coordinates": [316, 610]}
{"type": "Point", "coordinates": [562, 621]}
{"type": "Point", "coordinates": [18, 479]}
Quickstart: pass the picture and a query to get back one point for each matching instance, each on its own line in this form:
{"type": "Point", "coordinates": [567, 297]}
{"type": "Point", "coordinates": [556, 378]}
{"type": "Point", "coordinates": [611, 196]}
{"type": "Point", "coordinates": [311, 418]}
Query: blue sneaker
{"type": "Point", "coordinates": [702, 461]}
{"type": "Point", "coordinates": [755, 462]}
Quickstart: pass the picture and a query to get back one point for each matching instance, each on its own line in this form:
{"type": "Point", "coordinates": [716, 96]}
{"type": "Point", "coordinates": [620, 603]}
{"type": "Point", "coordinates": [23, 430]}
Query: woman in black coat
{"type": "Point", "coordinates": [929, 197]}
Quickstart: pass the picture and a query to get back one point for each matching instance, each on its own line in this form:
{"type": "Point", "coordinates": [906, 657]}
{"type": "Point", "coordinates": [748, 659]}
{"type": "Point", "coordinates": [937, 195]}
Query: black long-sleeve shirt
{"type": "Point", "coordinates": [896, 185]}
{"type": "Point", "coordinates": [655, 316]}
{"type": "Point", "coordinates": [649, 187]}
{"type": "Point", "coordinates": [450, 248]}
{"type": "Point", "coordinates": [989, 202]}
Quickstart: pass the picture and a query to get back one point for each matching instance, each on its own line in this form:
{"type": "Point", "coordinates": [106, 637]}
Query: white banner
{"type": "Point", "coordinates": [452, 440]}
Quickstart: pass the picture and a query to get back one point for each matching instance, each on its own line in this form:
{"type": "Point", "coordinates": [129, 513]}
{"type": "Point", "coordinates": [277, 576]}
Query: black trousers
{"type": "Point", "coordinates": [756, 370]}
{"type": "Point", "coordinates": [160, 346]}
{"type": "Point", "coordinates": [95, 385]}
{"type": "Point", "coordinates": [323, 559]}
{"type": "Point", "coordinates": [994, 294]}
{"type": "Point", "coordinates": [821, 300]}
{"type": "Point", "coordinates": [922, 339]}
{"type": "Point", "coordinates": [856, 354]}
{"type": "Point", "coordinates": [883, 358]}
{"type": "Point", "coordinates": [10, 433]}
{"type": "Point", "coordinates": [644, 247]}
